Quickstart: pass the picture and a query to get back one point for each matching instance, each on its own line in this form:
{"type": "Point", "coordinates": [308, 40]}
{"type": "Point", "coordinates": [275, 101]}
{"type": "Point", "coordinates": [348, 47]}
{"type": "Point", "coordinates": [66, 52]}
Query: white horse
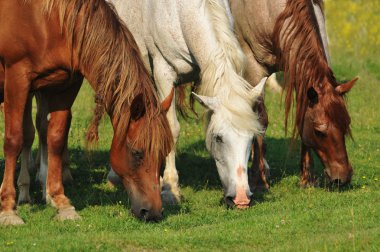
{"type": "Point", "coordinates": [183, 41]}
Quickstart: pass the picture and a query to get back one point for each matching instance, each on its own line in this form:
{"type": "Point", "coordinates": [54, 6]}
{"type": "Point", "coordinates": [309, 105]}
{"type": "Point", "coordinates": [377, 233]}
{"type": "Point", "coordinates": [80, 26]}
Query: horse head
{"type": "Point", "coordinates": [325, 125]}
{"type": "Point", "coordinates": [230, 148]}
{"type": "Point", "coordinates": [138, 159]}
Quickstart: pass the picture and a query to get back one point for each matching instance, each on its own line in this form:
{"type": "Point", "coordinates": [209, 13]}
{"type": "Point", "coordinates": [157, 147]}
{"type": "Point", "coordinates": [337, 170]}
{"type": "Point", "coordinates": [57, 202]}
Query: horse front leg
{"type": "Point", "coordinates": [308, 177]}
{"type": "Point", "coordinates": [23, 181]}
{"type": "Point", "coordinates": [16, 89]}
{"type": "Point", "coordinates": [259, 171]}
{"type": "Point", "coordinates": [165, 76]}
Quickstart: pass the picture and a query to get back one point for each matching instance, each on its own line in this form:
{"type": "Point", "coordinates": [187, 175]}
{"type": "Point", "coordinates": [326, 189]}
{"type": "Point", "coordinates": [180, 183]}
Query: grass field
{"type": "Point", "coordinates": [285, 219]}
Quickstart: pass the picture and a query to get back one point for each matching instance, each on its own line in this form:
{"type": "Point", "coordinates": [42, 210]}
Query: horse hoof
{"type": "Point", "coordinates": [67, 214]}
{"type": "Point", "coordinates": [10, 219]}
{"type": "Point", "coordinates": [170, 198]}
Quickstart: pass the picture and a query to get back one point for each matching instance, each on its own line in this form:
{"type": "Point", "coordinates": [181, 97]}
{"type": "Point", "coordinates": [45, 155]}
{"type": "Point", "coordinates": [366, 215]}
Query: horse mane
{"type": "Point", "coordinates": [300, 54]}
{"type": "Point", "coordinates": [223, 75]}
{"type": "Point", "coordinates": [108, 51]}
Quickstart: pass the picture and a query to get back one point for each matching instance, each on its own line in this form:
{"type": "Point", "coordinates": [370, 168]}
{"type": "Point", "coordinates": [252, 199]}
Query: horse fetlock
{"type": "Point", "coordinates": [58, 201]}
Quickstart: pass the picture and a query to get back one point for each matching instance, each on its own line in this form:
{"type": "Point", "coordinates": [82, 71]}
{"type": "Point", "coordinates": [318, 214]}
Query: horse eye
{"type": "Point", "coordinates": [319, 133]}
{"type": "Point", "coordinates": [219, 139]}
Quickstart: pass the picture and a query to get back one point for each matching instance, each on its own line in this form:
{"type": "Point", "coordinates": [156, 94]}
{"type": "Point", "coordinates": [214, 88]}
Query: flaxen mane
{"type": "Point", "coordinates": [108, 51]}
{"type": "Point", "coordinates": [223, 75]}
{"type": "Point", "coordinates": [300, 55]}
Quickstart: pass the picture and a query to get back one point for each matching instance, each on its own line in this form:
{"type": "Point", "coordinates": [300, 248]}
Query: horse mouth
{"type": "Point", "coordinates": [233, 203]}
{"type": "Point", "coordinates": [242, 206]}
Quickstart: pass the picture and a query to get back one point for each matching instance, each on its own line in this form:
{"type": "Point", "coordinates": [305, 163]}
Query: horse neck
{"type": "Point", "coordinates": [300, 54]}
{"type": "Point", "coordinates": [110, 60]}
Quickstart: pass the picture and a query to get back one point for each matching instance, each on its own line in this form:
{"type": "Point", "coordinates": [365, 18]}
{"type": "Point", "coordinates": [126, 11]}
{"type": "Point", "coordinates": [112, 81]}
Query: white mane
{"type": "Point", "coordinates": [223, 75]}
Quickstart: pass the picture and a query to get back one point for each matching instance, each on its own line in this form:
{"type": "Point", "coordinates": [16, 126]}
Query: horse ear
{"type": "Point", "coordinates": [312, 95]}
{"type": "Point", "coordinates": [165, 105]}
{"type": "Point", "coordinates": [137, 107]}
{"type": "Point", "coordinates": [206, 101]}
{"type": "Point", "coordinates": [344, 88]}
{"type": "Point", "coordinates": [259, 88]}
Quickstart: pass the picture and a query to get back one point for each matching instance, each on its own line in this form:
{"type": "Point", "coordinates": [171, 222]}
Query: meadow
{"type": "Point", "coordinates": [286, 218]}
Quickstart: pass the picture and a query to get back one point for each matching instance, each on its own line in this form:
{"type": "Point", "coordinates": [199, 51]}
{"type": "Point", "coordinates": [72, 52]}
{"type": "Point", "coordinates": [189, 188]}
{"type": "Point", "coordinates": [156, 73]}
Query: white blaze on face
{"type": "Point", "coordinates": [231, 152]}
{"type": "Point", "coordinates": [229, 147]}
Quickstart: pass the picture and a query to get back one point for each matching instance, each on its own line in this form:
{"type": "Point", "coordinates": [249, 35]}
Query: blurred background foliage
{"type": "Point", "coordinates": [354, 28]}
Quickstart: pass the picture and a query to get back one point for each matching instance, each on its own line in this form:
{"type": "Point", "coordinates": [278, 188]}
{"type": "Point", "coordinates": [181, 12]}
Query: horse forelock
{"type": "Point", "coordinates": [300, 54]}
{"type": "Point", "coordinates": [222, 76]}
{"type": "Point", "coordinates": [109, 53]}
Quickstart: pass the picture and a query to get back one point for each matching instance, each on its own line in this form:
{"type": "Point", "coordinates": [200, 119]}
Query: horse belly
{"type": "Point", "coordinates": [57, 79]}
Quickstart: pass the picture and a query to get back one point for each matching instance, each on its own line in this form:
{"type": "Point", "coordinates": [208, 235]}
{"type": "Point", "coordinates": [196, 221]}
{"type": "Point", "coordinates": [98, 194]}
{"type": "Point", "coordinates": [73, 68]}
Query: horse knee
{"type": "Point", "coordinates": [13, 144]}
{"type": "Point", "coordinates": [56, 141]}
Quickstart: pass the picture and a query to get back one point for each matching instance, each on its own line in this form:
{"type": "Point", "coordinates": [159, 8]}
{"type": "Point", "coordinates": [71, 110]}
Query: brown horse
{"type": "Point", "coordinates": [289, 36]}
{"type": "Point", "coordinates": [49, 45]}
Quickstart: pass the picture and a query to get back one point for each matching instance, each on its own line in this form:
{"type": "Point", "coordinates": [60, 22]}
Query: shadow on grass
{"type": "Point", "coordinates": [196, 170]}
{"type": "Point", "coordinates": [200, 172]}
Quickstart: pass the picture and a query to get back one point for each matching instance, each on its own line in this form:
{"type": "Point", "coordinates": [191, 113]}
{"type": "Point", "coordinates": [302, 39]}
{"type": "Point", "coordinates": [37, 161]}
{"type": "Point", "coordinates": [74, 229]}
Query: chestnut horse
{"type": "Point", "coordinates": [290, 36]}
{"type": "Point", "coordinates": [50, 45]}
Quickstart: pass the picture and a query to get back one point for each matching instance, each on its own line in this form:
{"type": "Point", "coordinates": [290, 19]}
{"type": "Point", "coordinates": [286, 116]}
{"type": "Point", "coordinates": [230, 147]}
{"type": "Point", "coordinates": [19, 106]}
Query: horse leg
{"type": "Point", "coordinates": [165, 76]}
{"type": "Point", "coordinates": [42, 154]}
{"type": "Point", "coordinates": [15, 97]}
{"type": "Point", "coordinates": [308, 177]}
{"type": "Point", "coordinates": [23, 181]}
{"type": "Point", "coordinates": [259, 171]}
{"type": "Point", "coordinates": [57, 133]}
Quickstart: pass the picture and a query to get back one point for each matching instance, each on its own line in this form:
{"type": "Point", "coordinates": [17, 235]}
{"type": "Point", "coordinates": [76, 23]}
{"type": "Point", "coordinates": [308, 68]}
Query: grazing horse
{"type": "Point", "coordinates": [50, 45]}
{"type": "Point", "coordinates": [290, 36]}
{"type": "Point", "coordinates": [183, 41]}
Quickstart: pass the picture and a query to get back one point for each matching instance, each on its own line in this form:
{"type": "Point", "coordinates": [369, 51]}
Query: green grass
{"type": "Point", "coordinates": [285, 219]}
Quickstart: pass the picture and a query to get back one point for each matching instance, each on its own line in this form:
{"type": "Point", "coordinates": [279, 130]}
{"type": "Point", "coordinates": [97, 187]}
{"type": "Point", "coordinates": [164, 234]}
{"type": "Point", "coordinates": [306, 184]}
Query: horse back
{"type": "Point", "coordinates": [29, 35]}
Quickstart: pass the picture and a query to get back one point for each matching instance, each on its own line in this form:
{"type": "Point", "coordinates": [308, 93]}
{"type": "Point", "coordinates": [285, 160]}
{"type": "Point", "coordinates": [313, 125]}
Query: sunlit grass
{"type": "Point", "coordinates": [285, 219]}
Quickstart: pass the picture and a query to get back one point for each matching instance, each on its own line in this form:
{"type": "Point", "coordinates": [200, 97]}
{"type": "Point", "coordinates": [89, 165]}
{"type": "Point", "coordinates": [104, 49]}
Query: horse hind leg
{"type": "Point", "coordinates": [23, 181]}
{"type": "Point", "coordinates": [308, 177]}
{"type": "Point", "coordinates": [42, 120]}
{"type": "Point", "coordinates": [42, 154]}
{"type": "Point", "coordinates": [57, 133]}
